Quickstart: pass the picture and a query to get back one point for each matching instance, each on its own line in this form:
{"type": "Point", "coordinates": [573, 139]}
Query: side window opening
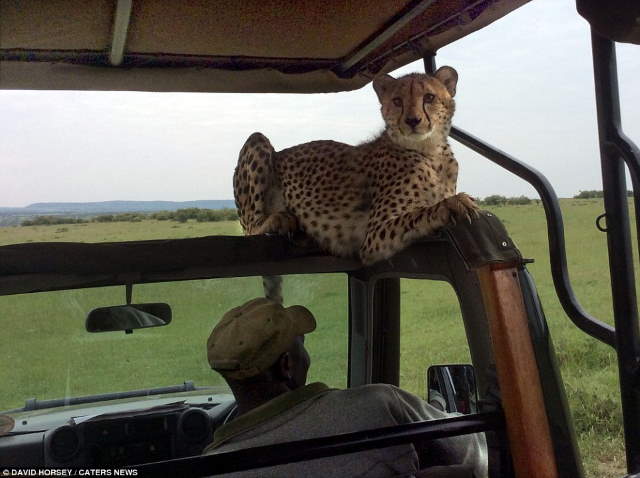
{"type": "Point", "coordinates": [431, 331]}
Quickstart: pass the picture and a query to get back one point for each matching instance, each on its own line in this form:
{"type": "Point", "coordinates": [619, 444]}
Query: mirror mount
{"type": "Point", "coordinates": [128, 292]}
{"type": "Point", "coordinates": [452, 388]}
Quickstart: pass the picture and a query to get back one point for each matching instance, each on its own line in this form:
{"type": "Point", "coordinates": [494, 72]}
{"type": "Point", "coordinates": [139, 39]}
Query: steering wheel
{"type": "Point", "coordinates": [223, 413]}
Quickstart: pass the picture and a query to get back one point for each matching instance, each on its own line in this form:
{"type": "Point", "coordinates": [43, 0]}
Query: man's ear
{"type": "Point", "coordinates": [449, 78]}
{"type": "Point", "coordinates": [382, 84]}
{"type": "Point", "coordinates": [285, 366]}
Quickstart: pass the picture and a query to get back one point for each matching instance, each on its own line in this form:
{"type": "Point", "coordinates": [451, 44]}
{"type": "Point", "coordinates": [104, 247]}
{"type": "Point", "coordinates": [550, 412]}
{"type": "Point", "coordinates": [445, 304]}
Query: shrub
{"type": "Point", "coordinates": [202, 215]}
{"type": "Point", "coordinates": [129, 217]}
{"type": "Point", "coordinates": [595, 194]}
{"type": "Point", "coordinates": [518, 201]}
{"type": "Point", "coordinates": [162, 215]}
{"type": "Point", "coordinates": [181, 215]}
{"type": "Point", "coordinates": [51, 221]}
{"type": "Point", "coordinates": [499, 200]}
{"type": "Point", "coordinates": [588, 194]}
{"type": "Point", "coordinates": [494, 200]}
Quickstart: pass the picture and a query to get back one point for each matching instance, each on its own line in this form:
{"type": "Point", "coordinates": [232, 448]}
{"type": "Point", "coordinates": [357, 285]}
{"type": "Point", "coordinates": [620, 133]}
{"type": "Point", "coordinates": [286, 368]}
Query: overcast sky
{"type": "Point", "coordinates": [526, 86]}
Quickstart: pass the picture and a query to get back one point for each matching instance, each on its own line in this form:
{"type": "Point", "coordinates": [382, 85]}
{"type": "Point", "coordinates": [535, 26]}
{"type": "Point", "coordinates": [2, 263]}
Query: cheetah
{"type": "Point", "coordinates": [367, 201]}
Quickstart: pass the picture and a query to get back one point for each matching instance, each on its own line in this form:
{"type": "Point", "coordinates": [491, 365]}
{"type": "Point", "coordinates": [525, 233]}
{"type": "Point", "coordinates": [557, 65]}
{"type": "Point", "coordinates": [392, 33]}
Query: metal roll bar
{"type": "Point", "coordinates": [312, 448]}
{"type": "Point", "coordinates": [555, 228]}
{"type": "Point", "coordinates": [616, 151]}
{"type": "Point", "coordinates": [555, 231]}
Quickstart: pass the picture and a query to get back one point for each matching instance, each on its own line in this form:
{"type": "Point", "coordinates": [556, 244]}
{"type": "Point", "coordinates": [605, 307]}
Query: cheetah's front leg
{"type": "Point", "coordinates": [390, 235]}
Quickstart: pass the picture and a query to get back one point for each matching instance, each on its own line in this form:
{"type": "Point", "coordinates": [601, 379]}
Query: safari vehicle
{"type": "Point", "coordinates": [328, 46]}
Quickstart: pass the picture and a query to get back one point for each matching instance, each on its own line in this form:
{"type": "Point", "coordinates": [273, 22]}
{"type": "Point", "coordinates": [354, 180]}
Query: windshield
{"type": "Point", "coordinates": [48, 354]}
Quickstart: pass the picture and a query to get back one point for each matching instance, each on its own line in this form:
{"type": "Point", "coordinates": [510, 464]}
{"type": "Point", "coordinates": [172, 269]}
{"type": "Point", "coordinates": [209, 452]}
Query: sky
{"type": "Point", "coordinates": [525, 86]}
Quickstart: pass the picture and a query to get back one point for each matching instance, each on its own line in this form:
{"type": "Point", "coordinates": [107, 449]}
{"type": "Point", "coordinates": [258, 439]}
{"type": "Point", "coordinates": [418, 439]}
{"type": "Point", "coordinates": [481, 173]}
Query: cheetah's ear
{"type": "Point", "coordinates": [449, 78]}
{"type": "Point", "coordinates": [382, 84]}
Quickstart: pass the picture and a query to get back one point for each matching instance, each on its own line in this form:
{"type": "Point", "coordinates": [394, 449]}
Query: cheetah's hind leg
{"type": "Point", "coordinates": [259, 199]}
{"type": "Point", "coordinates": [257, 191]}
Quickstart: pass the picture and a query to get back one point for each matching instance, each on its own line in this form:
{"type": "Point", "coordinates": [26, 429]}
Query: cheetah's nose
{"type": "Point", "coordinates": [413, 122]}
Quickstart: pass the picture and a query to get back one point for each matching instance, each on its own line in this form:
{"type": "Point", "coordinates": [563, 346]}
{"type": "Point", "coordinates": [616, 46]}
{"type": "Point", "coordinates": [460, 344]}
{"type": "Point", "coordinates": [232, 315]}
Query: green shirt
{"type": "Point", "coordinates": [317, 411]}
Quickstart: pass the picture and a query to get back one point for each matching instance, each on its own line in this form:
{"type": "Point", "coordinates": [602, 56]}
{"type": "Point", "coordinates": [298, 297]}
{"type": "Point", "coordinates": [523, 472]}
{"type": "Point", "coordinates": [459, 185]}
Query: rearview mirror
{"type": "Point", "coordinates": [128, 317]}
{"type": "Point", "coordinates": [452, 388]}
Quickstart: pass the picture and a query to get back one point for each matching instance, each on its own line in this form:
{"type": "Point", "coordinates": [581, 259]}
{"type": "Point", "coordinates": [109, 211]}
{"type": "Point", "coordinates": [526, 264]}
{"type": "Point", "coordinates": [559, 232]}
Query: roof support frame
{"type": "Point", "coordinates": [121, 21]}
{"type": "Point", "coordinates": [623, 292]}
{"type": "Point", "coordinates": [412, 41]}
{"type": "Point", "coordinates": [417, 7]}
{"type": "Point", "coordinates": [555, 227]}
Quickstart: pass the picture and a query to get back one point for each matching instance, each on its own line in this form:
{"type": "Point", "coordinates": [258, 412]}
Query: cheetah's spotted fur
{"type": "Point", "coordinates": [370, 200]}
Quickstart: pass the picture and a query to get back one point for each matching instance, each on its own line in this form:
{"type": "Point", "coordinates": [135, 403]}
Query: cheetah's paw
{"type": "Point", "coordinates": [461, 206]}
{"type": "Point", "coordinates": [282, 223]}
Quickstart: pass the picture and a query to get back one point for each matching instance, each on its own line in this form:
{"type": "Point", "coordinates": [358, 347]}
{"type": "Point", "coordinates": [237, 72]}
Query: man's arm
{"type": "Point", "coordinates": [465, 449]}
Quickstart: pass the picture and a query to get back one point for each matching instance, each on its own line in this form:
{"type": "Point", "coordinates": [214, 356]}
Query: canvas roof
{"type": "Point", "coordinates": [226, 45]}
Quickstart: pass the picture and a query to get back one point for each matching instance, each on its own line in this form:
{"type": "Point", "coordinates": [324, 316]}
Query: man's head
{"type": "Point", "coordinates": [261, 342]}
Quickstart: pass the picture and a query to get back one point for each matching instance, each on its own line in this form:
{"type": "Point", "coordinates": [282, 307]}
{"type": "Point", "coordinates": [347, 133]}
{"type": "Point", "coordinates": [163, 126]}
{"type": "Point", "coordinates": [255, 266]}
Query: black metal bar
{"type": "Point", "coordinates": [555, 232]}
{"type": "Point", "coordinates": [386, 331]}
{"type": "Point", "coordinates": [34, 404]}
{"type": "Point", "coordinates": [359, 333]}
{"type": "Point", "coordinates": [291, 452]}
{"type": "Point", "coordinates": [625, 309]}
{"type": "Point", "coordinates": [430, 63]}
{"type": "Point", "coordinates": [555, 227]}
{"type": "Point", "coordinates": [416, 8]}
{"type": "Point", "coordinates": [631, 156]}
{"type": "Point", "coordinates": [563, 437]}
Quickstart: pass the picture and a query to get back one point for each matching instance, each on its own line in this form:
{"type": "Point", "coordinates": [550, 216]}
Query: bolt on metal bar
{"type": "Point", "coordinates": [625, 308]}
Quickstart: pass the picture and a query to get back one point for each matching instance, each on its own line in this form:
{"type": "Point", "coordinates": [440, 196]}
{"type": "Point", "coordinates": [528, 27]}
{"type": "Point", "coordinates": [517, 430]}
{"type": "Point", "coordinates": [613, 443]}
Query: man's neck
{"type": "Point", "coordinates": [258, 394]}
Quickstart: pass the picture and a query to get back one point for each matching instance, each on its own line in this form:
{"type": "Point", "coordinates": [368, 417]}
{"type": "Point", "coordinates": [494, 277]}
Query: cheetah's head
{"type": "Point", "coordinates": [416, 107]}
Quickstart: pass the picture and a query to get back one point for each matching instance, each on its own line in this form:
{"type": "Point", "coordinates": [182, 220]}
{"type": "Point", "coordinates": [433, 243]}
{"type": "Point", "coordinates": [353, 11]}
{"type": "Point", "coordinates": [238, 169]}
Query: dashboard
{"type": "Point", "coordinates": [118, 439]}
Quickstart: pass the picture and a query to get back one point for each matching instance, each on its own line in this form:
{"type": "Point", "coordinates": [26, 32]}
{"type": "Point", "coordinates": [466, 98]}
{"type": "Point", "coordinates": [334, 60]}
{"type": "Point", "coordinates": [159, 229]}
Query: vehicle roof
{"type": "Point", "coordinates": [301, 46]}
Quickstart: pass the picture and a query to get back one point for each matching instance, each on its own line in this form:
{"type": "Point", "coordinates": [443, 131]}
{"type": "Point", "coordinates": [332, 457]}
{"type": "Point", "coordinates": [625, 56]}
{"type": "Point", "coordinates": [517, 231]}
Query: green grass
{"type": "Point", "coordinates": [115, 231]}
{"type": "Point", "coordinates": [62, 359]}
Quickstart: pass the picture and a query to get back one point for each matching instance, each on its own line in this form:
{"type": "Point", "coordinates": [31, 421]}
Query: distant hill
{"type": "Point", "coordinates": [10, 216]}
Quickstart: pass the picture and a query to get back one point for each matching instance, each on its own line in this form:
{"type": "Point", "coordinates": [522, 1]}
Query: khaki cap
{"type": "Point", "coordinates": [250, 338]}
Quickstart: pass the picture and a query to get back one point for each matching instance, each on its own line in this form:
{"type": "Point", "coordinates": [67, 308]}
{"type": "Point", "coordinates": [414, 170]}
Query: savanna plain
{"type": "Point", "coordinates": [48, 354]}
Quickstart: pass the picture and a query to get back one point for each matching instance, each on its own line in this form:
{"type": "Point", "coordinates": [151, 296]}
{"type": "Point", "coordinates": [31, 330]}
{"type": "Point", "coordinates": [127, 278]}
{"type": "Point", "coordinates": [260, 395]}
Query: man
{"type": "Point", "coordinates": [259, 350]}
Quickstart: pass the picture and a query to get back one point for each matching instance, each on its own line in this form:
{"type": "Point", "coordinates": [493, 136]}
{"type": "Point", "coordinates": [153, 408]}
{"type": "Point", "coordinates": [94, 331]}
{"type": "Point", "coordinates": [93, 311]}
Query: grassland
{"type": "Point", "coordinates": [51, 356]}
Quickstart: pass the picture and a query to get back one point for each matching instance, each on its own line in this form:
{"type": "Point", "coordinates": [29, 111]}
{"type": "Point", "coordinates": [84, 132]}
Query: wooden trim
{"type": "Point", "coordinates": [518, 375]}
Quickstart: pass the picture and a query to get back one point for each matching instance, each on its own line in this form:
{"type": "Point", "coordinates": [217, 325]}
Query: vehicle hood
{"type": "Point", "coordinates": [45, 419]}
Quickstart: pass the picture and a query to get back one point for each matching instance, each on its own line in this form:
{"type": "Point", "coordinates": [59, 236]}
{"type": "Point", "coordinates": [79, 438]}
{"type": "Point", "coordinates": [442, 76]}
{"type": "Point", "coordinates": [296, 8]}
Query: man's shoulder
{"type": "Point", "coordinates": [374, 392]}
{"type": "Point", "coordinates": [403, 405]}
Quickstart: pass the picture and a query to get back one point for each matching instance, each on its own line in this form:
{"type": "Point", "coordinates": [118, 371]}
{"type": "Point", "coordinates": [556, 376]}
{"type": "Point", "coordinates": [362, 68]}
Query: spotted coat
{"type": "Point", "coordinates": [370, 200]}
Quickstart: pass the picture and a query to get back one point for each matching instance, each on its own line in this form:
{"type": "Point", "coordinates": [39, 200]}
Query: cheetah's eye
{"type": "Point", "coordinates": [397, 102]}
{"type": "Point", "coordinates": [428, 98]}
